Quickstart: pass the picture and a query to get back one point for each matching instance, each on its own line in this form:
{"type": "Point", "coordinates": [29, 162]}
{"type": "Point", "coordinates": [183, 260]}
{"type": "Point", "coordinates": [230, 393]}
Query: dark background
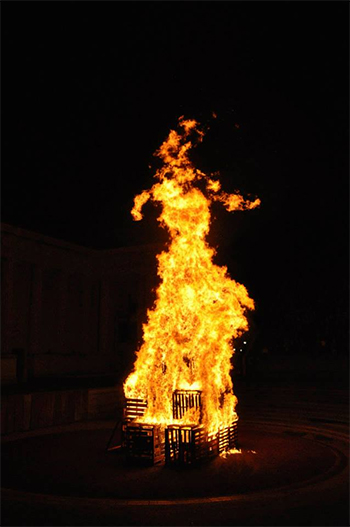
{"type": "Point", "coordinates": [91, 90]}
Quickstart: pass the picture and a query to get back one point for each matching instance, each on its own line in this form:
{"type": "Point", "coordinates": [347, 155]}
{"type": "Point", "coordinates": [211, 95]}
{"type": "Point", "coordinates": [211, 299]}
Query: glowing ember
{"type": "Point", "coordinates": [230, 452]}
{"type": "Point", "coordinates": [199, 309]}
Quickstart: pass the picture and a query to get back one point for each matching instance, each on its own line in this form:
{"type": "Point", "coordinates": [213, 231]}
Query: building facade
{"type": "Point", "coordinates": [69, 310]}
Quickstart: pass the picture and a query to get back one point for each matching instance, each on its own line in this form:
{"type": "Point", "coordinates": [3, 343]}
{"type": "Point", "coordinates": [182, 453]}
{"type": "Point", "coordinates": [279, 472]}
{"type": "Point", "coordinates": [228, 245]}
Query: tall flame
{"type": "Point", "coordinates": [199, 309]}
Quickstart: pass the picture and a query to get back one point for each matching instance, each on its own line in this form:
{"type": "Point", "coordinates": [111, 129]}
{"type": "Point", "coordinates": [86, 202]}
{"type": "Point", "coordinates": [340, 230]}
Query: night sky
{"type": "Point", "coordinates": [90, 90]}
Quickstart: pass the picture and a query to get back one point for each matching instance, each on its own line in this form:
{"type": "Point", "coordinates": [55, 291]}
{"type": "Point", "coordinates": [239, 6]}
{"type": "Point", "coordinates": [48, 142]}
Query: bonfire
{"type": "Point", "coordinates": [182, 374]}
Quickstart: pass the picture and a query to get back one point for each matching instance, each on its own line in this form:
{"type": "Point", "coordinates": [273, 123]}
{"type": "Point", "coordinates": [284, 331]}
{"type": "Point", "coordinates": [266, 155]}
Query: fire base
{"type": "Point", "coordinates": [179, 445]}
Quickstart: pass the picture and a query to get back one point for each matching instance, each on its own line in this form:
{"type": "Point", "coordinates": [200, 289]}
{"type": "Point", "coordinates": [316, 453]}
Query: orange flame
{"type": "Point", "coordinates": [199, 309]}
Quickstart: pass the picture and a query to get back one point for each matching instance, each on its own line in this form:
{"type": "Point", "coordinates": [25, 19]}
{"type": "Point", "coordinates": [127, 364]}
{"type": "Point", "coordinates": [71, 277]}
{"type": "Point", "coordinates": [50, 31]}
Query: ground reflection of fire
{"type": "Point", "coordinates": [180, 396]}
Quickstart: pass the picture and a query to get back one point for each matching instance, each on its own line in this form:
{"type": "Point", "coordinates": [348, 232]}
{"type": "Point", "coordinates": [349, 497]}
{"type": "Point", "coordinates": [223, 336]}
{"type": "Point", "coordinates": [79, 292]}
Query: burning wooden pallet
{"type": "Point", "coordinates": [227, 437]}
{"type": "Point", "coordinates": [186, 445]}
{"type": "Point", "coordinates": [144, 443]}
{"type": "Point", "coordinates": [134, 408]}
{"type": "Point", "coordinates": [176, 444]}
{"type": "Point", "coordinates": [184, 400]}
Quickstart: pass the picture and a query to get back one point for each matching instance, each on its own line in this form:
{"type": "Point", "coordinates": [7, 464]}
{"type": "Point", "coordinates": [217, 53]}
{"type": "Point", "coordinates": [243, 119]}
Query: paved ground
{"type": "Point", "coordinates": [298, 475]}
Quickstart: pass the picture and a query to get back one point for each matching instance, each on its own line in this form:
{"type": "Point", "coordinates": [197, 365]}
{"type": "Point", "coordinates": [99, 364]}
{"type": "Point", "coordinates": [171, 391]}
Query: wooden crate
{"type": "Point", "coordinates": [188, 445]}
{"type": "Point", "coordinates": [183, 400]}
{"type": "Point", "coordinates": [227, 437]}
{"type": "Point", "coordinates": [134, 408]}
{"type": "Point", "coordinates": [144, 443]}
{"type": "Point", "coordinates": [184, 445]}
